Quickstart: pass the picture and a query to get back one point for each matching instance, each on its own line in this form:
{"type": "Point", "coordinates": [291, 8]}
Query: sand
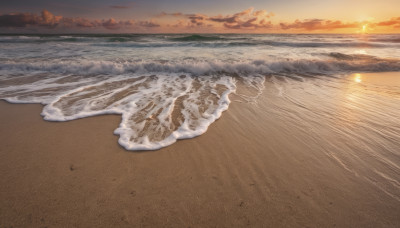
{"type": "Point", "coordinates": [251, 168]}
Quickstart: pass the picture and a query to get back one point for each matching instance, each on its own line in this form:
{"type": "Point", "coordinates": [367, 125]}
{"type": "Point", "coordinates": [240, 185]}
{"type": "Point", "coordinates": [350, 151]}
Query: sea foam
{"type": "Point", "coordinates": [156, 110]}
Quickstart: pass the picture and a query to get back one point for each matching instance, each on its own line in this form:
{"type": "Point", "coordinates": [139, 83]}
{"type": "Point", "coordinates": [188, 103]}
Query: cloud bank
{"type": "Point", "coordinates": [50, 21]}
{"type": "Point", "coordinates": [248, 20]}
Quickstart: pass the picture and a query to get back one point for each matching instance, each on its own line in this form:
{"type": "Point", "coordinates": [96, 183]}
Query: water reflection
{"type": "Point", "coordinates": [357, 78]}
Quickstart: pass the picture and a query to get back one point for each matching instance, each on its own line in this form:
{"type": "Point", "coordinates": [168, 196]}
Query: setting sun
{"type": "Point", "coordinates": [364, 28]}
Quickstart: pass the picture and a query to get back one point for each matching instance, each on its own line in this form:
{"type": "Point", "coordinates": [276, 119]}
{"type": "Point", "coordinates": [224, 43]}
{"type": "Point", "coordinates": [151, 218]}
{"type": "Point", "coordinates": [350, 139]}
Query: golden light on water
{"type": "Point", "coordinates": [357, 78]}
{"type": "Point", "coordinates": [361, 51]}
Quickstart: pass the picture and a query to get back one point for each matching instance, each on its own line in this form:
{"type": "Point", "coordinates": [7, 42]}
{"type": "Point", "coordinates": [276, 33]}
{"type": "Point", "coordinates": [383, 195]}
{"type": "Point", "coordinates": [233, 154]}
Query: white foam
{"type": "Point", "coordinates": [156, 110]}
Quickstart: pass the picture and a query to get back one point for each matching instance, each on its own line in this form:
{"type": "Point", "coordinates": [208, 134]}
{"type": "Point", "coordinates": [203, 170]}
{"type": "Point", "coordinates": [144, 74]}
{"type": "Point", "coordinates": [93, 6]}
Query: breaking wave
{"type": "Point", "coordinates": [337, 63]}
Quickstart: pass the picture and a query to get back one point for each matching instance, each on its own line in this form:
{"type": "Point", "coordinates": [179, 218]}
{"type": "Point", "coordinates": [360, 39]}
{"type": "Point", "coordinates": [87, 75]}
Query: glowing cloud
{"type": "Point", "coordinates": [248, 20]}
{"type": "Point", "coordinates": [318, 24]}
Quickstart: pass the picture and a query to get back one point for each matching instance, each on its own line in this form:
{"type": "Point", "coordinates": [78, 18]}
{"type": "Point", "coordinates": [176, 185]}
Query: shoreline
{"type": "Point", "coordinates": [250, 168]}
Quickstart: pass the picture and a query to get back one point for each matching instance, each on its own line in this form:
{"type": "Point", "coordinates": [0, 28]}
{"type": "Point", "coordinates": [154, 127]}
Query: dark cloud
{"type": "Point", "coordinates": [235, 18]}
{"type": "Point", "coordinates": [197, 19]}
{"type": "Point", "coordinates": [45, 19]}
{"type": "Point", "coordinates": [17, 20]}
{"type": "Point", "coordinates": [247, 19]}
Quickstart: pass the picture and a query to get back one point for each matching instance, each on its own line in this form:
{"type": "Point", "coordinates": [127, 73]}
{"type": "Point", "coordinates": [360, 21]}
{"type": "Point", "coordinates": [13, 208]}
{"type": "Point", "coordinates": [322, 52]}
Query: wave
{"type": "Point", "coordinates": [335, 64]}
{"type": "Point", "coordinates": [354, 57]}
{"type": "Point", "coordinates": [212, 41]}
{"type": "Point", "coordinates": [387, 40]}
{"type": "Point", "coordinates": [197, 38]}
{"type": "Point", "coordinates": [117, 39]}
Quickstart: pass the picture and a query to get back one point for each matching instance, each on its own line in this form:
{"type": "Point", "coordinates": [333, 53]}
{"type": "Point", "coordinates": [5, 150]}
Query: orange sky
{"type": "Point", "coordinates": [219, 16]}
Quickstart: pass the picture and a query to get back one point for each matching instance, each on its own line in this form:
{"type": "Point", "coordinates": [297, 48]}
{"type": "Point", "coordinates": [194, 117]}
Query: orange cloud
{"type": "Point", "coordinates": [394, 21]}
{"type": "Point", "coordinates": [318, 24]}
{"type": "Point", "coordinates": [80, 23]}
{"type": "Point", "coordinates": [248, 20]}
{"type": "Point", "coordinates": [117, 24]}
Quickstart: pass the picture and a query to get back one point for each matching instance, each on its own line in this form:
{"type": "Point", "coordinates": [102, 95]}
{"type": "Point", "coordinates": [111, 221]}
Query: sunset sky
{"type": "Point", "coordinates": [206, 16]}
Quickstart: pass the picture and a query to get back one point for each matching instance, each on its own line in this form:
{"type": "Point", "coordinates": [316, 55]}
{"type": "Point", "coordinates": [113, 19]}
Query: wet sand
{"type": "Point", "coordinates": [251, 168]}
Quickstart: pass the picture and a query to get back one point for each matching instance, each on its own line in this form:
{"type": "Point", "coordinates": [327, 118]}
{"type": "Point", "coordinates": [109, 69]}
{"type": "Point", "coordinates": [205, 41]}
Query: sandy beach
{"type": "Point", "coordinates": [251, 168]}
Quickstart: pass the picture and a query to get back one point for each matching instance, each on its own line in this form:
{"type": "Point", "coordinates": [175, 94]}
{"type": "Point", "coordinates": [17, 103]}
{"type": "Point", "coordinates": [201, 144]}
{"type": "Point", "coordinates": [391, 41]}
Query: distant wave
{"type": "Point", "coordinates": [118, 39]}
{"type": "Point", "coordinates": [323, 44]}
{"type": "Point", "coordinates": [197, 38]}
{"type": "Point", "coordinates": [211, 41]}
{"type": "Point", "coordinates": [386, 40]}
{"type": "Point", "coordinates": [354, 57]}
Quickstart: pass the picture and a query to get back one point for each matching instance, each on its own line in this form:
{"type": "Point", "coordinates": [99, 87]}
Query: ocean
{"type": "Point", "coordinates": [174, 86]}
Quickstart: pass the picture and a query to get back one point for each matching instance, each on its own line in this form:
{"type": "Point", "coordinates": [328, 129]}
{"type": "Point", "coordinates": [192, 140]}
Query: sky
{"type": "Point", "coordinates": [195, 16]}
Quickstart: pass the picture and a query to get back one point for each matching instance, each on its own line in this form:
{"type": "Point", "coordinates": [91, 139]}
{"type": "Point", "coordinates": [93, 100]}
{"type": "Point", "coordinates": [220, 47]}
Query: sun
{"type": "Point", "coordinates": [364, 28]}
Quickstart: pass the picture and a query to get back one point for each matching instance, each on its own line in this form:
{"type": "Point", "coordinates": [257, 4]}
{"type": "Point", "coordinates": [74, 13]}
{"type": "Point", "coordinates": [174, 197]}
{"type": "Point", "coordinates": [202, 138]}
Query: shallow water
{"type": "Point", "coordinates": [352, 120]}
{"type": "Point", "coordinates": [169, 87]}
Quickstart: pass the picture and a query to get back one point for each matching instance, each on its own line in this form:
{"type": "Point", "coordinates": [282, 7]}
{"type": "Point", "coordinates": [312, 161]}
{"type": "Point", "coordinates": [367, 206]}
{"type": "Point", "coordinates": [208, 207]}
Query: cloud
{"type": "Point", "coordinates": [197, 19]}
{"type": "Point", "coordinates": [235, 18]}
{"type": "Point", "coordinates": [247, 21]}
{"type": "Point", "coordinates": [17, 20]}
{"type": "Point", "coordinates": [394, 21]}
{"type": "Point", "coordinates": [318, 24]}
{"type": "Point", "coordinates": [111, 24]}
{"type": "Point", "coordinates": [46, 19]}
{"type": "Point", "coordinates": [148, 24]}
{"type": "Point", "coordinates": [80, 23]}
{"type": "Point", "coordinates": [251, 19]}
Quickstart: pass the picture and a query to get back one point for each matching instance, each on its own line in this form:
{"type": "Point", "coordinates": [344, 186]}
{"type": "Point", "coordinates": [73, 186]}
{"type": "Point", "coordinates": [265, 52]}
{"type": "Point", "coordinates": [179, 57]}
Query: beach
{"type": "Point", "coordinates": [266, 163]}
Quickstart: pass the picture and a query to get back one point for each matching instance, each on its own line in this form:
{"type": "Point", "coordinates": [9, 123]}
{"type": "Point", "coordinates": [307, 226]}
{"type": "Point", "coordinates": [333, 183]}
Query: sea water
{"type": "Point", "coordinates": [174, 86]}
